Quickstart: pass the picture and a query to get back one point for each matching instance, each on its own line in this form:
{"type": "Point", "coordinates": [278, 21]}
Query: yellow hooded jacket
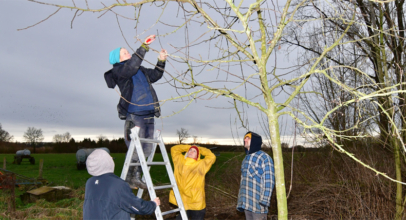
{"type": "Point", "coordinates": [190, 176]}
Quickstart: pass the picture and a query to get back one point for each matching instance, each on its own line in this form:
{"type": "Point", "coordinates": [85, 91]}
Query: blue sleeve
{"type": "Point", "coordinates": [132, 204]}
{"type": "Point", "coordinates": [267, 182]}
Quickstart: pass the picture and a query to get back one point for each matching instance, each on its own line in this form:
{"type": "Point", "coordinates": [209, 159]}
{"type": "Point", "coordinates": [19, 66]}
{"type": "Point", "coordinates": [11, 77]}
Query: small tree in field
{"type": "Point", "coordinates": [62, 138]}
{"type": "Point", "coordinates": [33, 136]}
{"type": "Point", "coordinates": [5, 136]}
{"type": "Point", "coordinates": [182, 134]}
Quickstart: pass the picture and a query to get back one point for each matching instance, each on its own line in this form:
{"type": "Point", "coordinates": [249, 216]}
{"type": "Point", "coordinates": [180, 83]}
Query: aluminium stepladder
{"type": "Point", "coordinates": [135, 145]}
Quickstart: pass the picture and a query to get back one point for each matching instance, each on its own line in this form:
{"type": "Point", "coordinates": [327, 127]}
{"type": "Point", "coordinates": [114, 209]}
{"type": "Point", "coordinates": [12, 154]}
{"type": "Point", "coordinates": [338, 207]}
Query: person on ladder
{"type": "Point", "coordinates": [138, 104]}
{"type": "Point", "coordinates": [190, 172]}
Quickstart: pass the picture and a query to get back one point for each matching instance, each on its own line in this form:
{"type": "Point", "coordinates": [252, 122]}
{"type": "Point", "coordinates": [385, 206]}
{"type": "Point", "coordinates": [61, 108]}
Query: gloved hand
{"type": "Point", "coordinates": [149, 39]}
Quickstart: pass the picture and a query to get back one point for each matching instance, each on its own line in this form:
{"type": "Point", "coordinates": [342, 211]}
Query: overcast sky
{"type": "Point", "coordinates": [52, 75]}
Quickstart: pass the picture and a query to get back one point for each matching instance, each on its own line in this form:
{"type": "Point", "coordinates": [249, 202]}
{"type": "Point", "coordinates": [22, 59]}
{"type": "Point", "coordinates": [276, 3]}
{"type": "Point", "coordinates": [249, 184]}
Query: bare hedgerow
{"type": "Point", "coordinates": [329, 185]}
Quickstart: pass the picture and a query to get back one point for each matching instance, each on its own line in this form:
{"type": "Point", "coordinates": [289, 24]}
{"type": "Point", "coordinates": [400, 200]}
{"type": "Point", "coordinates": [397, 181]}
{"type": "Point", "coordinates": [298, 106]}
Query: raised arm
{"type": "Point", "coordinates": [209, 159]}
{"type": "Point", "coordinates": [132, 65]}
{"type": "Point", "coordinates": [156, 73]}
{"type": "Point", "coordinates": [177, 150]}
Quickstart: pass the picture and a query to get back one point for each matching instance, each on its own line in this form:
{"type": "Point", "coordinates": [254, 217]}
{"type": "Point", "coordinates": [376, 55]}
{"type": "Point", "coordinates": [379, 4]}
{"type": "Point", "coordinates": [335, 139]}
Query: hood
{"type": "Point", "coordinates": [198, 152]}
{"type": "Point", "coordinates": [99, 162]}
{"type": "Point", "coordinates": [108, 76]}
{"type": "Point", "coordinates": [256, 142]}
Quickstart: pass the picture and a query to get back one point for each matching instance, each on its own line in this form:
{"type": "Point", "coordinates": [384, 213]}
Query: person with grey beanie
{"type": "Point", "coordinates": [109, 197]}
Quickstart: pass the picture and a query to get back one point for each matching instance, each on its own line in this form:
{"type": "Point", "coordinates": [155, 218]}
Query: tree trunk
{"type": "Point", "coordinates": [278, 163]}
{"type": "Point", "coordinates": [399, 195]}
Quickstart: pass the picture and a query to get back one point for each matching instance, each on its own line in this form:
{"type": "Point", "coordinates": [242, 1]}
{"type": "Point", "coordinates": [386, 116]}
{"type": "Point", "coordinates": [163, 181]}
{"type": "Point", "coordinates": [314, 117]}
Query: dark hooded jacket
{"type": "Point", "coordinates": [109, 197]}
{"type": "Point", "coordinates": [256, 143]}
{"type": "Point", "coordinates": [122, 76]}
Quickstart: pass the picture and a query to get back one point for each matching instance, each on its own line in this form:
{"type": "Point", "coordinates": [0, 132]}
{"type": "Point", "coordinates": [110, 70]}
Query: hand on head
{"type": "Point", "coordinates": [157, 201]}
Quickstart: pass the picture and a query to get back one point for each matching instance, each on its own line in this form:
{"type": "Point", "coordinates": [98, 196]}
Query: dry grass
{"type": "Point", "coordinates": [326, 185]}
{"type": "Point", "coordinates": [70, 208]}
{"type": "Point", "coordinates": [329, 185]}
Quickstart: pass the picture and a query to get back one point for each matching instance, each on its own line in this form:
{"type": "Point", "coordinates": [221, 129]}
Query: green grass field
{"type": "Point", "coordinates": [61, 170]}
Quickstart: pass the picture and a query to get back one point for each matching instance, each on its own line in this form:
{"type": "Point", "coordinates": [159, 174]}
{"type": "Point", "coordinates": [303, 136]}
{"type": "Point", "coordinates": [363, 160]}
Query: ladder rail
{"type": "Point", "coordinates": [172, 179]}
{"type": "Point", "coordinates": [149, 160]}
{"type": "Point", "coordinates": [146, 166]}
{"type": "Point", "coordinates": [127, 161]}
{"type": "Point", "coordinates": [145, 170]}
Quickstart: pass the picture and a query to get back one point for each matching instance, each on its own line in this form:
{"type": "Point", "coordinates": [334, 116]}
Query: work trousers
{"type": "Point", "coordinates": [146, 124]}
{"type": "Point", "coordinates": [255, 216]}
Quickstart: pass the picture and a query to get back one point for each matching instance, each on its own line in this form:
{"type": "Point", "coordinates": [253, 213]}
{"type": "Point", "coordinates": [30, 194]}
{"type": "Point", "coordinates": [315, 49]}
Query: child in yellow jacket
{"type": "Point", "coordinates": [190, 171]}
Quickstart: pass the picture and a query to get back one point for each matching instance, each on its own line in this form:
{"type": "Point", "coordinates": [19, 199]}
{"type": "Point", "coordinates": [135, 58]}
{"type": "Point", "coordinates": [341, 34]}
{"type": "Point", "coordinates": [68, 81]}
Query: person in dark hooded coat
{"type": "Point", "coordinates": [138, 103]}
{"type": "Point", "coordinates": [257, 179]}
{"type": "Point", "coordinates": [109, 197]}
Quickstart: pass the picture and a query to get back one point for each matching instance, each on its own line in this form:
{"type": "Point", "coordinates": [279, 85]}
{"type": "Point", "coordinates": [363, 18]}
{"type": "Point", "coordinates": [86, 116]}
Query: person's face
{"type": "Point", "coordinates": [192, 153]}
{"type": "Point", "coordinates": [124, 55]}
{"type": "Point", "coordinates": [247, 142]}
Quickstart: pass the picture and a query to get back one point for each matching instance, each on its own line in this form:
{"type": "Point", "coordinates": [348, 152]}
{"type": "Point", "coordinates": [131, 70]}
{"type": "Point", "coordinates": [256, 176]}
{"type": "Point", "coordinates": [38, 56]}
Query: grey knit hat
{"type": "Point", "coordinates": [99, 162]}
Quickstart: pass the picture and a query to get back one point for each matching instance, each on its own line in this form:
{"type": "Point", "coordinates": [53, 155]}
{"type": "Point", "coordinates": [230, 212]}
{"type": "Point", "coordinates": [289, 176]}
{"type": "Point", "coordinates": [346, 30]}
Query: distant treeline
{"type": "Point", "coordinates": [115, 146]}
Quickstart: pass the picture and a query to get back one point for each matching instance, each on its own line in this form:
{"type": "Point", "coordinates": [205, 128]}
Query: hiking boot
{"type": "Point", "coordinates": [137, 182]}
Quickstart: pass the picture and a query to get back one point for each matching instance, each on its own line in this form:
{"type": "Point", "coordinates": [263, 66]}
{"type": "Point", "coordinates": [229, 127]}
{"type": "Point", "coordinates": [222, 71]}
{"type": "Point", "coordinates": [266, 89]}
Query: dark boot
{"type": "Point", "coordinates": [129, 174]}
{"type": "Point", "coordinates": [136, 180]}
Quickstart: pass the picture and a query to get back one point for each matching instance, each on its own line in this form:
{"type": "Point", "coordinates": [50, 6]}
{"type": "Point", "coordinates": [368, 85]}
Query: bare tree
{"type": "Point", "coordinates": [239, 61]}
{"type": "Point", "coordinates": [4, 135]}
{"type": "Point", "coordinates": [62, 138]}
{"type": "Point", "coordinates": [57, 138]}
{"type": "Point", "coordinates": [374, 60]}
{"type": "Point", "coordinates": [195, 139]}
{"type": "Point", "coordinates": [182, 134]}
{"type": "Point", "coordinates": [33, 136]}
{"type": "Point", "coordinates": [101, 139]}
{"type": "Point", "coordinates": [66, 137]}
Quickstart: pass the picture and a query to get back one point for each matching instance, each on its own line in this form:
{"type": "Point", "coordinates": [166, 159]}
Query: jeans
{"type": "Point", "coordinates": [146, 124]}
{"type": "Point", "coordinates": [255, 216]}
{"type": "Point", "coordinates": [193, 214]}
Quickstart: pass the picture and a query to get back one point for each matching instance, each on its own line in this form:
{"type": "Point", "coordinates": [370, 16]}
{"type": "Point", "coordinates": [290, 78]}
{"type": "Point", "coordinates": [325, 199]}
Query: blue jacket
{"type": "Point", "coordinates": [109, 197]}
{"type": "Point", "coordinates": [122, 76]}
{"type": "Point", "coordinates": [257, 179]}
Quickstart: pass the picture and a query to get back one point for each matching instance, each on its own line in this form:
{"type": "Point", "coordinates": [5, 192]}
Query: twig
{"type": "Point", "coordinates": [122, 34]}
{"type": "Point", "coordinates": [74, 16]}
{"type": "Point", "coordinates": [225, 193]}
{"type": "Point", "coordinates": [40, 21]}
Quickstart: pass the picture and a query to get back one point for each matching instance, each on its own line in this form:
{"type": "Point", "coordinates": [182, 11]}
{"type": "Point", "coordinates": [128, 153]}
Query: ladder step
{"type": "Point", "coordinates": [146, 165]}
{"type": "Point", "coordinates": [170, 211]}
{"type": "Point", "coordinates": [149, 163]}
{"type": "Point", "coordinates": [147, 140]}
{"type": "Point", "coordinates": [163, 187]}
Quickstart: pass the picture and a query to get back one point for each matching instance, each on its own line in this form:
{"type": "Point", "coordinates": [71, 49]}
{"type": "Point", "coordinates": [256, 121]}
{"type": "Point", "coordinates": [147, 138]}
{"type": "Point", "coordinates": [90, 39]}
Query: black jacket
{"type": "Point", "coordinates": [109, 197]}
{"type": "Point", "coordinates": [121, 75]}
